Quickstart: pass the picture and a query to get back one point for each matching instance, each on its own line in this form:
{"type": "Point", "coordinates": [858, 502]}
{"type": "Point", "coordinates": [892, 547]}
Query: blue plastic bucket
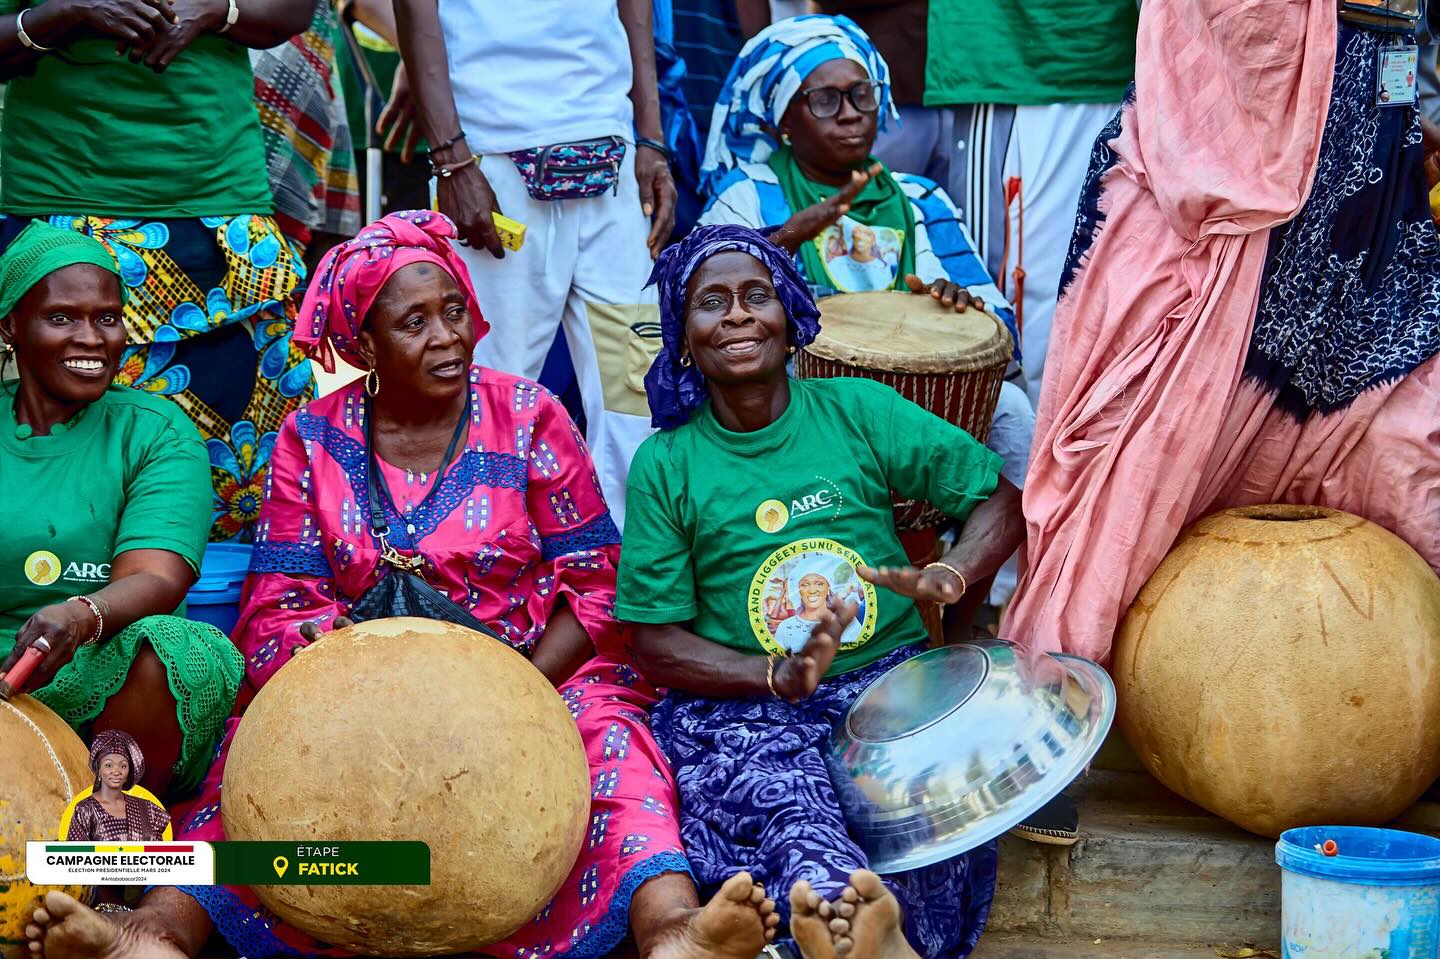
{"type": "Point", "coordinates": [215, 597]}
{"type": "Point", "coordinates": [1379, 896]}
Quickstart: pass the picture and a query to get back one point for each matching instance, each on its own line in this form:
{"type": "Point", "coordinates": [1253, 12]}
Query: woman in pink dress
{"type": "Point", "coordinates": [490, 486]}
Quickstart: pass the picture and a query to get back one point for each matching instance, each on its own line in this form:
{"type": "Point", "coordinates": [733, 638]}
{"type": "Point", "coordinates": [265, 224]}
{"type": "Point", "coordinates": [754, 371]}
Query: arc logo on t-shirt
{"type": "Point", "coordinates": [43, 568]}
{"type": "Point", "coordinates": [798, 582]}
{"type": "Point", "coordinates": [774, 515]}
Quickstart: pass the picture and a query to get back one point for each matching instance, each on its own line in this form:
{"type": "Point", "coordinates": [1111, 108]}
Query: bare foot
{"type": "Point", "coordinates": [873, 915]}
{"type": "Point", "coordinates": [62, 928]}
{"type": "Point", "coordinates": [736, 924]}
{"type": "Point", "coordinates": [810, 918]}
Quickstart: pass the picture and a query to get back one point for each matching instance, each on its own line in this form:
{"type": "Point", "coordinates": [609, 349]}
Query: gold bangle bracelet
{"type": "Point", "coordinates": [939, 565]}
{"type": "Point", "coordinates": [770, 675]}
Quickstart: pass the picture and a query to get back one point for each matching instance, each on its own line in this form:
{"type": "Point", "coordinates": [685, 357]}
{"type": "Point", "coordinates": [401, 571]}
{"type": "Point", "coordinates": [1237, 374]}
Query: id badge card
{"type": "Point", "coordinates": [1397, 76]}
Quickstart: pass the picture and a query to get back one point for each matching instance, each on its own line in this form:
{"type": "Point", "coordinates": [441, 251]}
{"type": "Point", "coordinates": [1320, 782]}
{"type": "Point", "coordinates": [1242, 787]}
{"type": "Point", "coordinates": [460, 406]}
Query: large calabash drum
{"type": "Point", "coordinates": [411, 729]}
{"type": "Point", "coordinates": [1281, 668]}
{"type": "Point", "coordinates": [952, 364]}
{"type": "Point", "coordinates": [43, 764]}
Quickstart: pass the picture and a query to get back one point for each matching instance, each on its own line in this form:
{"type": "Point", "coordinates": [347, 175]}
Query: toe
{"type": "Point", "coordinates": [846, 910]}
{"type": "Point", "coordinates": [840, 927]}
{"type": "Point", "coordinates": [766, 908]}
{"type": "Point", "coordinates": [825, 909]}
{"type": "Point", "coordinates": [40, 916]}
{"type": "Point", "coordinates": [757, 894]}
{"type": "Point", "coordinates": [800, 894]}
{"type": "Point", "coordinates": [813, 901]}
{"type": "Point", "coordinates": [867, 884]}
{"type": "Point", "coordinates": [843, 945]}
{"type": "Point", "coordinates": [850, 895]}
{"type": "Point", "coordinates": [33, 931]}
{"type": "Point", "coordinates": [772, 921]}
{"type": "Point", "coordinates": [737, 887]}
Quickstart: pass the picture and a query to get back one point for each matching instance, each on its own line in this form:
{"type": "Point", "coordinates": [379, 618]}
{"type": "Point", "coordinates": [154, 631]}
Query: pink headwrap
{"type": "Point", "coordinates": [352, 274]}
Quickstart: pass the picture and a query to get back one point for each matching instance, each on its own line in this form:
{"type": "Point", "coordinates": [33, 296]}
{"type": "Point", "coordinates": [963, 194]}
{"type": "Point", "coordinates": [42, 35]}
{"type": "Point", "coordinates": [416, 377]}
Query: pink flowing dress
{"type": "Point", "coordinates": [518, 524]}
{"type": "Point", "coordinates": [1147, 419]}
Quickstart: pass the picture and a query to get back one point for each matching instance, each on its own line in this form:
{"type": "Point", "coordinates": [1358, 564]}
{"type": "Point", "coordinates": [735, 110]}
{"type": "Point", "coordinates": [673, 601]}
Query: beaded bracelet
{"type": "Point", "coordinates": [99, 619]}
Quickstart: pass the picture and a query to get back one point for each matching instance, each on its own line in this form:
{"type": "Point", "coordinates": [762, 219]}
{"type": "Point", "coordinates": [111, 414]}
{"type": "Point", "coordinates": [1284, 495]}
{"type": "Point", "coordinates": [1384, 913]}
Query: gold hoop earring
{"type": "Point", "coordinates": [685, 360]}
{"type": "Point", "coordinates": [372, 383]}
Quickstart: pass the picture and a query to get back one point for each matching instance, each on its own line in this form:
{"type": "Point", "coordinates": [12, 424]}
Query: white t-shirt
{"type": "Point", "coordinates": [538, 72]}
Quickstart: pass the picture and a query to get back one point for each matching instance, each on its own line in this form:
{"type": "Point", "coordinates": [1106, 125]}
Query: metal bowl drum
{"type": "Point", "coordinates": [952, 364]}
{"type": "Point", "coordinates": [957, 745]}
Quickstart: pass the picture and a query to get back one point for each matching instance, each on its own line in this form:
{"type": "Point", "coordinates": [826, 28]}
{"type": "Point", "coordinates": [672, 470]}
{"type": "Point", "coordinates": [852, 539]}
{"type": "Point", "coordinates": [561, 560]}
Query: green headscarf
{"type": "Point", "coordinates": [40, 250]}
{"type": "Point", "coordinates": [881, 203]}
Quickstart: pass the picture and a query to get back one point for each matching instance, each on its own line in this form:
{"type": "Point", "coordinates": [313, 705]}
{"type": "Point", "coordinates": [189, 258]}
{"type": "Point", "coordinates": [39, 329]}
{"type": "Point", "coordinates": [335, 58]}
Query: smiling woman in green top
{"type": "Point", "coordinates": [104, 500]}
{"type": "Point", "coordinates": [134, 121]}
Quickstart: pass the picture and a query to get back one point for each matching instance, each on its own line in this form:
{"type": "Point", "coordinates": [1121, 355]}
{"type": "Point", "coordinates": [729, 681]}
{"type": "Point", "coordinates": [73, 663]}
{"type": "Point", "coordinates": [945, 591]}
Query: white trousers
{"type": "Point", "coordinates": [584, 264]}
{"type": "Point", "coordinates": [1049, 150]}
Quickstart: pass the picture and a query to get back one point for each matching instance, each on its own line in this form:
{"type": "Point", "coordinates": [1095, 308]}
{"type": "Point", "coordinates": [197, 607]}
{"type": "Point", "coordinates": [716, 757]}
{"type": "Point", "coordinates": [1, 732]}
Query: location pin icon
{"type": "Point", "coordinates": [281, 864]}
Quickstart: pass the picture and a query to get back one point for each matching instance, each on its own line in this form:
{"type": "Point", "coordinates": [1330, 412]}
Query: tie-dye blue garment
{"type": "Point", "coordinates": [755, 794]}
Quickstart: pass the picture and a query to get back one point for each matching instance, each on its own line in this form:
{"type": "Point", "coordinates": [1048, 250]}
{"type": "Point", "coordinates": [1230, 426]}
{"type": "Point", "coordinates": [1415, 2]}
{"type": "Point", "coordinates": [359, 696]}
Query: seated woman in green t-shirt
{"type": "Point", "coordinates": [760, 531]}
{"type": "Point", "coordinates": [104, 503]}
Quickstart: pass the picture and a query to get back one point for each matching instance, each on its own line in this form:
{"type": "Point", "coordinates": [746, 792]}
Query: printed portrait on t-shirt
{"type": "Point", "coordinates": [797, 583]}
{"type": "Point", "coordinates": [860, 258]}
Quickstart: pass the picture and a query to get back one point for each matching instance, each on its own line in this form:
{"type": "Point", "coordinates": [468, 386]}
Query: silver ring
{"type": "Point", "coordinates": [42, 644]}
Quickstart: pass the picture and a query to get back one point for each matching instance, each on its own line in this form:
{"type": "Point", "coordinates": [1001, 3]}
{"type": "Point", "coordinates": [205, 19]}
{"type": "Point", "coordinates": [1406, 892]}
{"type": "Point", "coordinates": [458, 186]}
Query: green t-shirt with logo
{"type": "Point", "coordinates": [747, 537]}
{"type": "Point", "coordinates": [89, 132]}
{"type": "Point", "coordinates": [129, 472]}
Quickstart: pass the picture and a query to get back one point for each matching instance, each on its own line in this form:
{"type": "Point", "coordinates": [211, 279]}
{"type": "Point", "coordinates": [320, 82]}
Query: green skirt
{"type": "Point", "coordinates": [204, 669]}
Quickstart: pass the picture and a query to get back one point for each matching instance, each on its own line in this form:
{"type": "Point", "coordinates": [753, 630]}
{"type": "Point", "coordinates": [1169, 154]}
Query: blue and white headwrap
{"type": "Point", "coordinates": [675, 392]}
{"type": "Point", "coordinates": [768, 73]}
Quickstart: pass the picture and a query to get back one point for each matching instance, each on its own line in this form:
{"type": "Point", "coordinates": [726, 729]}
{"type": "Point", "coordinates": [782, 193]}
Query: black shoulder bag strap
{"type": "Point", "coordinates": [404, 575]}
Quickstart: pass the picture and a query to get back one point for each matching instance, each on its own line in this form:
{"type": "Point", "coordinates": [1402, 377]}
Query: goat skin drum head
{"type": "Point", "coordinates": [43, 764]}
{"type": "Point", "coordinates": [1281, 668]}
{"type": "Point", "coordinates": [412, 729]}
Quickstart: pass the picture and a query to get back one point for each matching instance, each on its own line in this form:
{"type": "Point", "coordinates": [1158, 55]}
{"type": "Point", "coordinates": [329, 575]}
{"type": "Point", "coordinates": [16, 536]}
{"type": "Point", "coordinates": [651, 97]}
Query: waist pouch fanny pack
{"type": "Point", "coordinates": [571, 171]}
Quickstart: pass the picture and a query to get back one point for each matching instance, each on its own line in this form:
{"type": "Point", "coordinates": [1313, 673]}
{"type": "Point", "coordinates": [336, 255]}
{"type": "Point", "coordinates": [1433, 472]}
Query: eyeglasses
{"type": "Point", "coordinates": [717, 301]}
{"type": "Point", "coordinates": [824, 102]}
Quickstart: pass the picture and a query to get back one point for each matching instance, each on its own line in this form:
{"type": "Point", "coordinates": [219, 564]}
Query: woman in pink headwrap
{"type": "Point", "coordinates": [491, 488]}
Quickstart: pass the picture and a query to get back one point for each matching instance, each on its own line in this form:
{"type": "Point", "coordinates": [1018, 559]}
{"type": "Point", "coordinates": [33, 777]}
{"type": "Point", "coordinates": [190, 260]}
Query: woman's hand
{"type": "Point", "coordinates": [466, 197]}
{"type": "Point", "coordinates": [935, 584]}
{"type": "Point", "coordinates": [191, 19]}
{"type": "Point", "coordinates": [64, 626]}
{"type": "Point", "coordinates": [133, 23]}
{"type": "Point", "coordinates": [399, 123]}
{"type": "Point", "coordinates": [310, 632]}
{"type": "Point", "coordinates": [657, 195]}
{"type": "Point", "coordinates": [948, 295]}
{"type": "Point", "coordinates": [797, 677]}
{"type": "Point", "coordinates": [815, 219]}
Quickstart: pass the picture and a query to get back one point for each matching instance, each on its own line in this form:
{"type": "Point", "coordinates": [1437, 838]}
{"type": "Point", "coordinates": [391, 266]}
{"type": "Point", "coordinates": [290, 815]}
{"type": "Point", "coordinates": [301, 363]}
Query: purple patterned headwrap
{"type": "Point", "coordinates": [674, 391]}
{"type": "Point", "coordinates": [119, 743]}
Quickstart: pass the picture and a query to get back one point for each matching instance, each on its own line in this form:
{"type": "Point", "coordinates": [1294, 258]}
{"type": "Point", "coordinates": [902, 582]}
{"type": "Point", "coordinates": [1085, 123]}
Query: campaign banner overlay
{"type": "Point", "coordinates": [229, 863]}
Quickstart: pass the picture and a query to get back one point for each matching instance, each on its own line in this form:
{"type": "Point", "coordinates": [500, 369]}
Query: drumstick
{"type": "Point", "coordinates": [21, 671]}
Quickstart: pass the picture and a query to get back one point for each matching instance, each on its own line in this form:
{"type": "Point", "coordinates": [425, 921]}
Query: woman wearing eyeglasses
{"type": "Point", "coordinates": [789, 148]}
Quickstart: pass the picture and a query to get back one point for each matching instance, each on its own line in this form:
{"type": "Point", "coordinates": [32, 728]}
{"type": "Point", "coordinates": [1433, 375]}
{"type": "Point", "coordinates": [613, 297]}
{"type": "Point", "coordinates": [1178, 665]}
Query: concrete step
{"type": "Point", "coordinates": [1010, 947]}
{"type": "Point", "coordinates": [1149, 867]}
